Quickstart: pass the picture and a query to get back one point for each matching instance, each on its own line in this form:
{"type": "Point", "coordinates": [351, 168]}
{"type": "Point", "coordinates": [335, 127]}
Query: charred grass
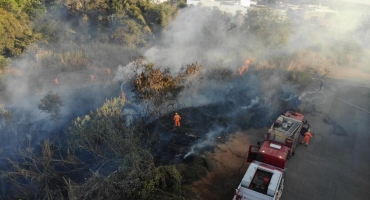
{"type": "Point", "coordinates": [149, 160]}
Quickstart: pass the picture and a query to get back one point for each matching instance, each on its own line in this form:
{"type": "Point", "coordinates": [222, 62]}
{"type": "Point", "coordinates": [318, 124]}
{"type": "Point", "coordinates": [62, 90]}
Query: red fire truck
{"type": "Point", "coordinates": [264, 178]}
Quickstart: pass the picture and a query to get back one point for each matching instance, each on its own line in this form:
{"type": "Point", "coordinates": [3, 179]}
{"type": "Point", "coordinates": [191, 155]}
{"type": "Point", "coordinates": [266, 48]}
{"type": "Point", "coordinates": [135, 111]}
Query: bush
{"type": "Point", "coordinates": [221, 74]}
{"type": "Point", "coordinates": [102, 132]}
{"type": "Point", "coordinates": [67, 61]}
{"type": "Point", "coordinates": [304, 77]}
{"type": "Point", "coordinates": [38, 174]}
{"type": "Point", "coordinates": [3, 63]}
{"type": "Point", "coordinates": [137, 178]}
{"type": "Point", "coordinates": [51, 104]}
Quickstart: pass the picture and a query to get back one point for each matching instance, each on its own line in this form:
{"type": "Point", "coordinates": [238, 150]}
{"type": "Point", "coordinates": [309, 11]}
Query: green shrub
{"type": "Point", "coordinates": [304, 77]}
{"type": "Point", "coordinates": [3, 63]}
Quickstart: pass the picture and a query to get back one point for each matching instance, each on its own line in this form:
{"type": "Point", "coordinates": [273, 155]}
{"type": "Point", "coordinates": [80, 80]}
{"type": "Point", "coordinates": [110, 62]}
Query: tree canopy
{"type": "Point", "coordinates": [51, 104]}
{"type": "Point", "coordinates": [268, 25]}
{"type": "Point", "coordinates": [126, 22]}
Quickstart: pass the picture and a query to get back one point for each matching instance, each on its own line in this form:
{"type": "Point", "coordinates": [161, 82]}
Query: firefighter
{"type": "Point", "coordinates": [92, 77]}
{"type": "Point", "coordinates": [107, 71]}
{"type": "Point", "coordinates": [56, 81]}
{"type": "Point", "coordinates": [177, 119]}
{"type": "Point", "coordinates": [321, 84]}
{"type": "Point", "coordinates": [123, 96]}
{"type": "Point", "coordinates": [306, 138]}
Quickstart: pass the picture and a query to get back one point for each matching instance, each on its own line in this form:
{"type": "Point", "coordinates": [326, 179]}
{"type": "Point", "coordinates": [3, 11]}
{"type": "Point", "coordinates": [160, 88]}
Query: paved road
{"type": "Point", "coordinates": [336, 164]}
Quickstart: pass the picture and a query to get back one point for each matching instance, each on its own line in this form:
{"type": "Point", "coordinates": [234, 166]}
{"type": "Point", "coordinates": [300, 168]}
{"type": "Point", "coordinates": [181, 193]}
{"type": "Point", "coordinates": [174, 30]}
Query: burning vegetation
{"type": "Point", "coordinates": [112, 76]}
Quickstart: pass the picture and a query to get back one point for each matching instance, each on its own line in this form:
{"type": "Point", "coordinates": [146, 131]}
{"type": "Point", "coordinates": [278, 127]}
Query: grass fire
{"type": "Point", "coordinates": [152, 99]}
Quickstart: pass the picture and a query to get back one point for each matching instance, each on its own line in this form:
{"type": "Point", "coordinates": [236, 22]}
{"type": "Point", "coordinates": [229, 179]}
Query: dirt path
{"type": "Point", "coordinates": [227, 166]}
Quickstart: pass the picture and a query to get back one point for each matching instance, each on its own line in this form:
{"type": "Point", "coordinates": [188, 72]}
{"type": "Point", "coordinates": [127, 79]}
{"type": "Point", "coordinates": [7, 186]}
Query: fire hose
{"type": "Point", "coordinates": [244, 158]}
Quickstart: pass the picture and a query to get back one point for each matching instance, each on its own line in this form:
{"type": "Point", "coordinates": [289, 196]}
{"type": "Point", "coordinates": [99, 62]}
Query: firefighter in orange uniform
{"type": "Point", "coordinates": [306, 138]}
{"type": "Point", "coordinates": [123, 95]}
{"type": "Point", "coordinates": [177, 119]}
{"type": "Point", "coordinates": [56, 81]}
{"type": "Point", "coordinates": [92, 77]}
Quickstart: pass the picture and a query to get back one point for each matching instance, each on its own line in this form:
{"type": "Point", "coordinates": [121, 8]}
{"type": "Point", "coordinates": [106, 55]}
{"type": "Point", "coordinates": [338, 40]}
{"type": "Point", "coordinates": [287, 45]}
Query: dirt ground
{"type": "Point", "coordinates": [227, 166]}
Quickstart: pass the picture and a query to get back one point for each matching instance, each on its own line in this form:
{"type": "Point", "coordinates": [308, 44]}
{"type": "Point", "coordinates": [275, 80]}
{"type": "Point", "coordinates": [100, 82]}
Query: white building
{"type": "Point", "coordinates": [159, 1]}
{"type": "Point", "coordinates": [245, 3]}
{"type": "Point", "coordinates": [232, 6]}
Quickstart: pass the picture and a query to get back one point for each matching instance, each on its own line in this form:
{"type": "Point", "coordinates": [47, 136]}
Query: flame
{"type": "Point", "coordinates": [244, 67]}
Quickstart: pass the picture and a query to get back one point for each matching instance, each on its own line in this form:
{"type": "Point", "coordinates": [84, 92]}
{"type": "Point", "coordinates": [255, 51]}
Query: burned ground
{"type": "Point", "coordinates": [202, 127]}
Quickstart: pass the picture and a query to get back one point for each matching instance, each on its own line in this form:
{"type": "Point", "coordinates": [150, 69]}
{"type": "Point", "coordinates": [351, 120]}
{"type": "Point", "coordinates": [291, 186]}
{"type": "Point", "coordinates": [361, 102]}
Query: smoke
{"type": "Point", "coordinates": [213, 39]}
{"type": "Point", "coordinates": [197, 35]}
{"type": "Point", "coordinates": [252, 103]}
{"type": "Point", "coordinates": [209, 140]}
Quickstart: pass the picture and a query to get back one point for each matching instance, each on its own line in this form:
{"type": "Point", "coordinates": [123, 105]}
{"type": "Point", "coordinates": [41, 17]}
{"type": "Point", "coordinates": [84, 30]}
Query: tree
{"type": "Point", "coordinates": [159, 16]}
{"type": "Point", "coordinates": [217, 23]}
{"type": "Point", "coordinates": [347, 52]}
{"type": "Point", "coordinates": [102, 132]}
{"type": "Point", "coordinates": [156, 89]}
{"type": "Point", "coordinates": [3, 63]}
{"type": "Point", "coordinates": [269, 26]}
{"type": "Point", "coordinates": [130, 22]}
{"type": "Point", "coordinates": [35, 9]}
{"type": "Point", "coordinates": [51, 104]}
{"type": "Point", "coordinates": [12, 28]}
{"type": "Point", "coordinates": [7, 116]}
{"type": "Point", "coordinates": [15, 6]}
{"type": "Point", "coordinates": [129, 33]}
{"type": "Point", "coordinates": [16, 25]}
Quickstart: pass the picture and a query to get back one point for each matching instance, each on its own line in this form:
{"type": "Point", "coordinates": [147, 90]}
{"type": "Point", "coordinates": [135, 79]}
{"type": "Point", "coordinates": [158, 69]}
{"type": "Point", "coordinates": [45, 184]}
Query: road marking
{"type": "Point", "coordinates": [360, 84]}
{"type": "Point", "coordinates": [350, 104]}
{"type": "Point", "coordinates": [328, 94]}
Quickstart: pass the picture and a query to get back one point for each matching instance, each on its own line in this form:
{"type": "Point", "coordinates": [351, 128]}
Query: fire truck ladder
{"type": "Point", "coordinates": [292, 130]}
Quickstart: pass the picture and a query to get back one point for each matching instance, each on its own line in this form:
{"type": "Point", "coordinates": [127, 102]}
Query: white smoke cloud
{"type": "Point", "coordinates": [189, 39]}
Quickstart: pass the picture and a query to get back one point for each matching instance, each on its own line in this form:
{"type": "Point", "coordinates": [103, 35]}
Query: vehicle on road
{"type": "Point", "coordinates": [264, 179]}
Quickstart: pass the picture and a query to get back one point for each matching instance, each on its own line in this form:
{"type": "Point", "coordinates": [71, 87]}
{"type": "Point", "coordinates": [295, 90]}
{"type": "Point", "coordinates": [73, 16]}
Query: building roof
{"type": "Point", "coordinates": [226, 6]}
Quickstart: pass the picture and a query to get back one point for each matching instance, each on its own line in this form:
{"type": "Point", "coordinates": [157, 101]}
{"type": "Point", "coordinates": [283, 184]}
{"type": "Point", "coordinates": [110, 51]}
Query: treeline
{"type": "Point", "coordinates": [133, 23]}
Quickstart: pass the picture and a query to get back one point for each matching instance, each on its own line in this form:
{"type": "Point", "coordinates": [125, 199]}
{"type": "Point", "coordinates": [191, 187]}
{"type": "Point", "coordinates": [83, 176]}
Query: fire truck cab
{"type": "Point", "coordinates": [261, 181]}
{"type": "Point", "coordinates": [286, 130]}
{"type": "Point", "coordinates": [264, 178]}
